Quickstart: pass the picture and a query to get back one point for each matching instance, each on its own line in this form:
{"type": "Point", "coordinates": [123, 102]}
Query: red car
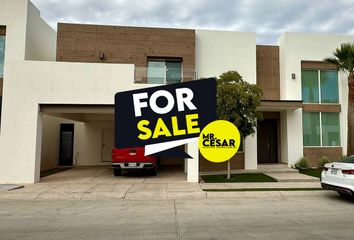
{"type": "Point", "coordinates": [133, 159]}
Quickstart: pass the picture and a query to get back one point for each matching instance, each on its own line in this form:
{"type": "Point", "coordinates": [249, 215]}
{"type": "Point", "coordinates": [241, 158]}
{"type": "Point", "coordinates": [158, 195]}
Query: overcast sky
{"type": "Point", "coordinates": [268, 18]}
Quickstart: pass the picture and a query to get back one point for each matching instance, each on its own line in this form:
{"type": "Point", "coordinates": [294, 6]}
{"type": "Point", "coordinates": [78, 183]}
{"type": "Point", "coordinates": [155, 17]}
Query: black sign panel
{"type": "Point", "coordinates": [164, 113]}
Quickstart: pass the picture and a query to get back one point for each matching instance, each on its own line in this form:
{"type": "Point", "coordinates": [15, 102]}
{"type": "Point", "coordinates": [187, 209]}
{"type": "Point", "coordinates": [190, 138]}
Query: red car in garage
{"type": "Point", "coordinates": [133, 159]}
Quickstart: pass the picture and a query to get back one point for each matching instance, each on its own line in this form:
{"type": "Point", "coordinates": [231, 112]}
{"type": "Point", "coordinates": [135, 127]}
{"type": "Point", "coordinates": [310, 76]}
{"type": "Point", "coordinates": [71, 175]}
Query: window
{"type": "Point", "coordinates": [319, 86]}
{"type": "Point", "coordinates": [329, 86]}
{"type": "Point", "coordinates": [164, 71]}
{"type": "Point", "coordinates": [2, 55]}
{"type": "Point", "coordinates": [321, 129]}
{"type": "Point", "coordinates": [311, 129]}
{"type": "Point", "coordinates": [330, 129]}
{"type": "Point", "coordinates": [0, 107]}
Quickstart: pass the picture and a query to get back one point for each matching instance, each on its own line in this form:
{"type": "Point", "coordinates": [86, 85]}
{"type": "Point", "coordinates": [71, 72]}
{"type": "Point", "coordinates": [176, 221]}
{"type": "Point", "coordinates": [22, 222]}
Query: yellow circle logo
{"type": "Point", "coordinates": [219, 141]}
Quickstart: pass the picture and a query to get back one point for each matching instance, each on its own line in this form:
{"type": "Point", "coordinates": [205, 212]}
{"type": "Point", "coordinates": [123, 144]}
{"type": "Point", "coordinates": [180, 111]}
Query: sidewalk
{"type": "Point", "coordinates": [104, 191]}
{"type": "Point", "coordinates": [260, 185]}
{"type": "Point", "coordinates": [98, 183]}
{"type": "Point", "coordinates": [156, 191]}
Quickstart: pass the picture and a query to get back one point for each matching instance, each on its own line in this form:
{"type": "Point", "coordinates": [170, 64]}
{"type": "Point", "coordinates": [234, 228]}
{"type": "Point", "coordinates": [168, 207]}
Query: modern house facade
{"type": "Point", "coordinates": [57, 90]}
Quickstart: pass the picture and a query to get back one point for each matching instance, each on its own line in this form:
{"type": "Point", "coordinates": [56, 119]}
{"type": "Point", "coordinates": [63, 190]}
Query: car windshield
{"type": "Point", "coordinates": [348, 159]}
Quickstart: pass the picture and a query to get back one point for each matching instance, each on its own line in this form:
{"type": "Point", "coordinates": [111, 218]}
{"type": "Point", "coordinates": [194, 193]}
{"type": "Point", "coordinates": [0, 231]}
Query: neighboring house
{"type": "Point", "coordinates": [57, 90]}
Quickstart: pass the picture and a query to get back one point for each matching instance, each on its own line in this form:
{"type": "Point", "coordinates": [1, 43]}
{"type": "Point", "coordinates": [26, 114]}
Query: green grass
{"type": "Point", "coordinates": [312, 172]}
{"type": "Point", "coordinates": [262, 189]}
{"type": "Point", "coordinates": [241, 177]}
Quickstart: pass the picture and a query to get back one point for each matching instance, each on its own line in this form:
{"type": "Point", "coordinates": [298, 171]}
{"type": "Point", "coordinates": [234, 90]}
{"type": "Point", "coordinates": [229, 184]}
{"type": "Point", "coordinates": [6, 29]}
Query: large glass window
{"type": "Point", "coordinates": [0, 107]}
{"type": "Point", "coordinates": [164, 71]}
{"type": "Point", "coordinates": [311, 128]}
{"type": "Point", "coordinates": [329, 86]}
{"type": "Point", "coordinates": [156, 72]}
{"type": "Point", "coordinates": [330, 129]}
{"type": "Point", "coordinates": [319, 86]}
{"type": "Point", "coordinates": [2, 55]}
{"type": "Point", "coordinates": [309, 81]}
{"type": "Point", "coordinates": [174, 72]}
{"type": "Point", "coordinates": [321, 129]}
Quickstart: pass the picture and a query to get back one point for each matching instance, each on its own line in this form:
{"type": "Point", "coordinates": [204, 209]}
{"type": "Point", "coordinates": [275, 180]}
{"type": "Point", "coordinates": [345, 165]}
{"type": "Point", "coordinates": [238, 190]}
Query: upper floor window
{"type": "Point", "coordinates": [2, 55]}
{"type": "Point", "coordinates": [164, 71]}
{"type": "Point", "coordinates": [319, 86]}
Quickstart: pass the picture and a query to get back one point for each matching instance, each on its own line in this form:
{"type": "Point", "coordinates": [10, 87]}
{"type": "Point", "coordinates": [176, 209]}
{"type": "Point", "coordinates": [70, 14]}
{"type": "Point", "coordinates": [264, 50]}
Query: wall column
{"type": "Point", "coordinates": [295, 148]}
{"type": "Point", "coordinates": [193, 163]}
{"type": "Point", "coordinates": [251, 151]}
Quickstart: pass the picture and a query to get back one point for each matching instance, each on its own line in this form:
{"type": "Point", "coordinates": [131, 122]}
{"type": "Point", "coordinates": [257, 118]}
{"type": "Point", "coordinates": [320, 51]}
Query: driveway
{"type": "Point", "coordinates": [83, 183]}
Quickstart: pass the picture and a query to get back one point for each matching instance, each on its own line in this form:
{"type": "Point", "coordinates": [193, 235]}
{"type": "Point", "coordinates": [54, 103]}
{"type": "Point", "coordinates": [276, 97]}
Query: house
{"type": "Point", "coordinates": [57, 90]}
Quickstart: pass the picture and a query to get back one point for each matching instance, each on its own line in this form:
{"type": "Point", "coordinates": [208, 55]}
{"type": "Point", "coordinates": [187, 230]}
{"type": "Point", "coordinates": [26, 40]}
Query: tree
{"type": "Point", "coordinates": [236, 102]}
{"type": "Point", "coordinates": [343, 58]}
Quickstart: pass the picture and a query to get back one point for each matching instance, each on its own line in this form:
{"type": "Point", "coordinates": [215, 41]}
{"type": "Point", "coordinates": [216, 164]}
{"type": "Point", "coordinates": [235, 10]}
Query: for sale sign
{"type": "Point", "coordinates": [164, 117]}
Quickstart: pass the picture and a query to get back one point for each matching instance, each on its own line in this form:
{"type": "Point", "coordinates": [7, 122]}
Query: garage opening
{"type": "Point", "coordinates": [77, 141]}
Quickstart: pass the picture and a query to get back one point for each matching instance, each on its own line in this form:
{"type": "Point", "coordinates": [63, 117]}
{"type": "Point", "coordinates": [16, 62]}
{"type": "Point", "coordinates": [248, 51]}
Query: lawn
{"type": "Point", "coordinates": [241, 177]}
{"type": "Point", "coordinates": [312, 172]}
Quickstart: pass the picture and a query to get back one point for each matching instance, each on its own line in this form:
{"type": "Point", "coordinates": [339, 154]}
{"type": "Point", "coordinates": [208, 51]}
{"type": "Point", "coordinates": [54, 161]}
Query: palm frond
{"type": "Point", "coordinates": [343, 57]}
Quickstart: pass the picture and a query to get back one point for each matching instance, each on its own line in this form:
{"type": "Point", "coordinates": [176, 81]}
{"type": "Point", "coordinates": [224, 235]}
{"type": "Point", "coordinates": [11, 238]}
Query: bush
{"type": "Point", "coordinates": [343, 157]}
{"type": "Point", "coordinates": [302, 164]}
{"type": "Point", "coordinates": [323, 160]}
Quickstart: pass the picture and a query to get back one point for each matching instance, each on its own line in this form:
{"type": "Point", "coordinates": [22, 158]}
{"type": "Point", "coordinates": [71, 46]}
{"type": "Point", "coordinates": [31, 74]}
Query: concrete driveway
{"type": "Point", "coordinates": [99, 183]}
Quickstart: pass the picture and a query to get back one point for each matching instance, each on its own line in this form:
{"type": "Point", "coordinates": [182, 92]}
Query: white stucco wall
{"type": "Point", "coordinates": [40, 37]}
{"type": "Point", "coordinates": [50, 142]}
{"type": "Point", "coordinates": [221, 51]}
{"type": "Point", "coordinates": [13, 14]}
{"type": "Point", "coordinates": [88, 142]}
{"type": "Point", "coordinates": [50, 82]}
{"type": "Point", "coordinates": [295, 47]}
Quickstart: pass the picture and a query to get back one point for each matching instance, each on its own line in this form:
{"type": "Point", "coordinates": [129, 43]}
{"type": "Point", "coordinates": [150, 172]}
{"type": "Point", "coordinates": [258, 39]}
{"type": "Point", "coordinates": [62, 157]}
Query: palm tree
{"type": "Point", "coordinates": [343, 58]}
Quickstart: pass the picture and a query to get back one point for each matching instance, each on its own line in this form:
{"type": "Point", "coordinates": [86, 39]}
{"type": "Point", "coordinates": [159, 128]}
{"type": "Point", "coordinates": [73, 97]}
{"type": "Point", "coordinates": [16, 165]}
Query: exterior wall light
{"type": "Point", "coordinates": [102, 56]}
{"type": "Point", "coordinates": [293, 76]}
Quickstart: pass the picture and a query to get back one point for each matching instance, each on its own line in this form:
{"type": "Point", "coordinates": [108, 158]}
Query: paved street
{"type": "Point", "coordinates": [291, 215]}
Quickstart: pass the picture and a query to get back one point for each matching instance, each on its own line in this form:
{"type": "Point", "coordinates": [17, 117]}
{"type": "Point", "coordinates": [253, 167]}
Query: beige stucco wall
{"type": "Point", "coordinates": [295, 47]}
{"type": "Point", "coordinates": [40, 37]}
{"type": "Point", "coordinates": [50, 82]}
{"type": "Point", "coordinates": [221, 51]}
{"type": "Point", "coordinates": [88, 142]}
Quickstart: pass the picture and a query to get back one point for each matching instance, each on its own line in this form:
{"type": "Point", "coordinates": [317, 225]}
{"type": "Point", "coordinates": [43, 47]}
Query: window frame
{"type": "Point", "coordinates": [164, 60]}
{"type": "Point", "coordinates": [319, 86]}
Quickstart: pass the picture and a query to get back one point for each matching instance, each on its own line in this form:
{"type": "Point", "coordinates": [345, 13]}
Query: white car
{"type": "Point", "coordinates": [339, 176]}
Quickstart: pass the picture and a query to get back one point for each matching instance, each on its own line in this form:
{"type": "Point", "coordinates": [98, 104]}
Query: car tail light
{"type": "Point", "coordinates": [349, 172]}
{"type": "Point", "coordinates": [324, 169]}
{"type": "Point", "coordinates": [114, 153]}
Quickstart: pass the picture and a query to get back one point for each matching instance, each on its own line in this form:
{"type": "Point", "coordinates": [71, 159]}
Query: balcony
{"type": "Point", "coordinates": [154, 75]}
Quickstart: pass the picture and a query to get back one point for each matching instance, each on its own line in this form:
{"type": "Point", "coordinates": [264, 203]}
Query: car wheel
{"type": "Point", "coordinates": [117, 172]}
{"type": "Point", "coordinates": [154, 171]}
{"type": "Point", "coordinates": [346, 196]}
{"type": "Point", "coordinates": [343, 195]}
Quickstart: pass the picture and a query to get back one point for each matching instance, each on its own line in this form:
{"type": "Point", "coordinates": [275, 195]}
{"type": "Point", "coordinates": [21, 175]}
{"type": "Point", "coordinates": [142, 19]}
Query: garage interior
{"type": "Point", "coordinates": [82, 136]}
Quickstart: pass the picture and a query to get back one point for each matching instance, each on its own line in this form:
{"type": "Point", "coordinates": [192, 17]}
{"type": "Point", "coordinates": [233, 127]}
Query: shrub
{"type": "Point", "coordinates": [323, 160]}
{"type": "Point", "coordinates": [343, 157]}
{"type": "Point", "coordinates": [302, 164]}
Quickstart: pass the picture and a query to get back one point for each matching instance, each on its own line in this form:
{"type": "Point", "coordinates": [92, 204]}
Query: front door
{"type": "Point", "coordinates": [267, 141]}
{"type": "Point", "coordinates": [66, 147]}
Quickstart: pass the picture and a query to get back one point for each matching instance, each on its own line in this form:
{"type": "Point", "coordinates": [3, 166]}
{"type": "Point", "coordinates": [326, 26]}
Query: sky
{"type": "Point", "coordinates": [268, 18]}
